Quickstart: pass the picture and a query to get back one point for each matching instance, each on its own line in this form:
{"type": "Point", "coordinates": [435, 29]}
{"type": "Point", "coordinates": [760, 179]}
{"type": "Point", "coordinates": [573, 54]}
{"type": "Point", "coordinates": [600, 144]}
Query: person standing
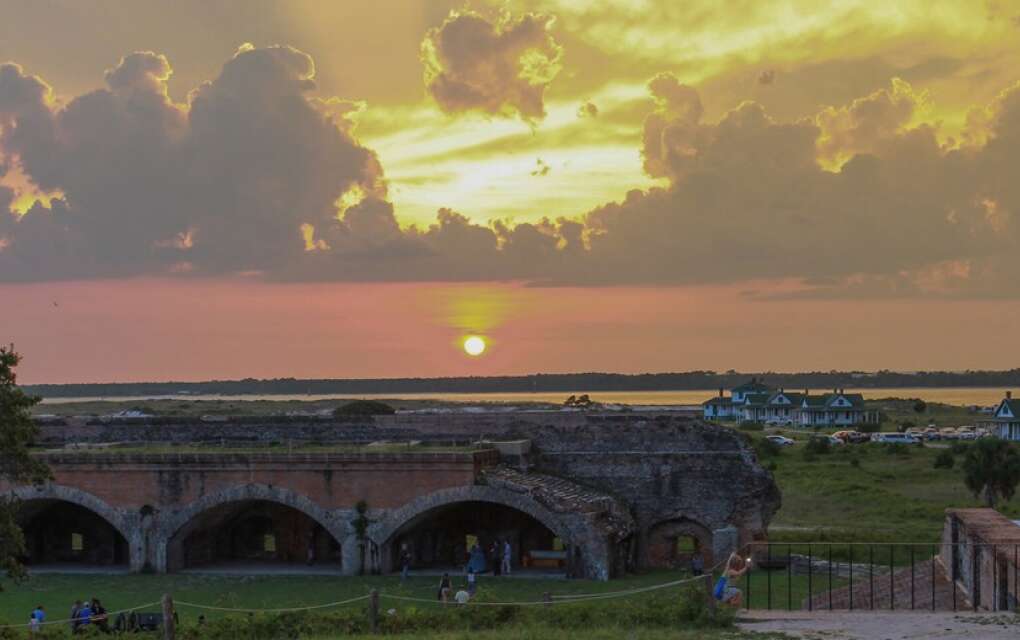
{"type": "Point", "coordinates": [507, 557]}
{"type": "Point", "coordinates": [493, 557]}
{"type": "Point", "coordinates": [697, 564]}
{"type": "Point", "coordinates": [405, 562]}
{"type": "Point", "coordinates": [444, 588]}
{"type": "Point", "coordinates": [36, 619]}
{"type": "Point", "coordinates": [472, 579]}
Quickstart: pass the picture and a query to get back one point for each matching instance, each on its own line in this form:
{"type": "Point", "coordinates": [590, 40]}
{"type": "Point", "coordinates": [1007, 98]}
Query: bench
{"type": "Point", "coordinates": [547, 559]}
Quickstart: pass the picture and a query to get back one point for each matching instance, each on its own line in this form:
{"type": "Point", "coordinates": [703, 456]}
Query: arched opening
{"type": "Point", "coordinates": [676, 544]}
{"type": "Point", "coordinates": [64, 536]}
{"type": "Point", "coordinates": [254, 536]}
{"type": "Point", "coordinates": [473, 534]}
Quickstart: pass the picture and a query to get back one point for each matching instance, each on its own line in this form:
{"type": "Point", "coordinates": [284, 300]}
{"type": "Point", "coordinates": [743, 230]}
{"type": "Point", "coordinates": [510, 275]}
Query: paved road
{"type": "Point", "coordinates": [876, 625]}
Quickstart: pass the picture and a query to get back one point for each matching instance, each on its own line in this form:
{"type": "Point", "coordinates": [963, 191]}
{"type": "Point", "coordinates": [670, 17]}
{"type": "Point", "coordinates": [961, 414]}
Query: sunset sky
{"type": "Point", "coordinates": [213, 189]}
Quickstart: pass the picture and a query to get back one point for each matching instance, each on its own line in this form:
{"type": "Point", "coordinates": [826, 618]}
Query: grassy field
{"type": "Point", "coordinates": [865, 492]}
{"type": "Point", "coordinates": [56, 592]}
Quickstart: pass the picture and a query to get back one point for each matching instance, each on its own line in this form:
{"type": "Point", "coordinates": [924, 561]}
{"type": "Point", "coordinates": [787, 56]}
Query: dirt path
{"type": "Point", "coordinates": [875, 625]}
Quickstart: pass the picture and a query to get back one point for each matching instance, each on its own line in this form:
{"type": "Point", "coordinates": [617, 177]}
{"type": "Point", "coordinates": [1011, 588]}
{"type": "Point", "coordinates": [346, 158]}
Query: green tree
{"type": "Point", "coordinates": [17, 466]}
{"type": "Point", "coordinates": [991, 468]}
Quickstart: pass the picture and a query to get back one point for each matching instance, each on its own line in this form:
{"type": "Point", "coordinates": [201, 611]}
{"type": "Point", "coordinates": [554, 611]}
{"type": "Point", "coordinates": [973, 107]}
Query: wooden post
{"type": "Point", "coordinates": [373, 610]}
{"type": "Point", "coordinates": [709, 596]}
{"type": "Point", "coordinates": [169, 629]}
{"type": "Point", "coordinates": [547, 598]}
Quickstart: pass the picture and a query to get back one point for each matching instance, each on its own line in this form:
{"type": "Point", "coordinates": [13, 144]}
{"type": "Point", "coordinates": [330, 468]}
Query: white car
{"type": "Point", "coordinates": [894, 438]}
{"type": "Point", "coordinates": [782, 441]}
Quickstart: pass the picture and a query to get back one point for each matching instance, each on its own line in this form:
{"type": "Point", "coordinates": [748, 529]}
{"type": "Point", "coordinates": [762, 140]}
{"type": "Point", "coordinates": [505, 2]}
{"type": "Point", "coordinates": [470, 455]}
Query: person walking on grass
{"type": "Point", "coordinates": [444, 588]}
{"type": "Point", "coordinates": [724, 590]}
{"type": "Point", "coordinates": [36, 619]}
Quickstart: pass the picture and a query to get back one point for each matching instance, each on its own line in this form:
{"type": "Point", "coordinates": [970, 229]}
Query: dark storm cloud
{"type": "Point", "coordinates": [253, 174]}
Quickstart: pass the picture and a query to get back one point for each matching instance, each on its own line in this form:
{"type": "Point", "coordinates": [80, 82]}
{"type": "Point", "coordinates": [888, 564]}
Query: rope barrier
{"type": "Point", "coordinates": [281, 610]}
{"type": "Point", "coordinates": [556, 599]}
{"type": "Point", "coordinates": [69, 620]}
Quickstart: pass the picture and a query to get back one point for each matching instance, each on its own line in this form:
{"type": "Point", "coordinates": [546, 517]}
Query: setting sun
{"type": "Point", "coordinates": [474, 345]}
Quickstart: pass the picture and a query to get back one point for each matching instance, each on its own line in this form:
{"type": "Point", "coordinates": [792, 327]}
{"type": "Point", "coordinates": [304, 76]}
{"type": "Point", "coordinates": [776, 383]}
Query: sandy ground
{"type": "Point", "coordinates": [884, 625]}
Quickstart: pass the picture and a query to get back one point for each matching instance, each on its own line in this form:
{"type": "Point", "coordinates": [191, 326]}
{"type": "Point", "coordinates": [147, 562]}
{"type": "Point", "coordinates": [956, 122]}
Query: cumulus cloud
{"type": "Point", "coordinates": [500, 67]}
{"type": "Point", "coordinates": [254, 174]}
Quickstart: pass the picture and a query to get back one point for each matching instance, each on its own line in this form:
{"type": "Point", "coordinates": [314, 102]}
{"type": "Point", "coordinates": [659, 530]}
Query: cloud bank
{"type": "Point", "coordinates": [253, 174]}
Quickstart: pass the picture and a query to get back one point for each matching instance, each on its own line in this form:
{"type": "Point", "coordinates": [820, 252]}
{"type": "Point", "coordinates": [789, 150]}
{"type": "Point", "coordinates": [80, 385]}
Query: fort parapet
{"type": "Point", "coordinates": [589, 495]}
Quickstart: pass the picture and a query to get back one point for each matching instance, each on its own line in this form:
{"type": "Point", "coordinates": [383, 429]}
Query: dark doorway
{"type": "Point", "coordinates": [254, 536]}
{"type": "Point", "coordinates": [63, 533]}
{"type": "Point", "coordinates": [442, 537]}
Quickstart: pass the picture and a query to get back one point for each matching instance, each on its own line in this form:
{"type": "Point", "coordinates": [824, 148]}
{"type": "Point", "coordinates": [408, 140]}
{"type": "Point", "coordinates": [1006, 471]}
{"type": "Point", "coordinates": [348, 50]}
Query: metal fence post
{"type": "Point", "coordinates": [810, 591]}
{"type": "Point", "coordinates": [871, 575]}
{"type": "Point", "coordinates": [892, 584]}
{"type": "Point", "coordinates": [850, 548]}
{"type": "Point", "coordinates": [789, 578]}
{"type": "Point", "coordinates": [911, 577]}
{"type": "Point", "coordinates": [830, 576]}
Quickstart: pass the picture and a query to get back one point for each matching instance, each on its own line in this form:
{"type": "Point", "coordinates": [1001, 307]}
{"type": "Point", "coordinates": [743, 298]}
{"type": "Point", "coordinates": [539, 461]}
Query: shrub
{"type": "Point", "coordinates": [364, 408]}
{"type": "Point", "coordinates": [870, 427]}
{"type": "Point", "coordinates": [817, 446]}
{"type": "Point", "coordinates": [751, 425]}
{"type": "Point", "coordinates": [896, 449]}
{"type": "Point", "coordinates": [944, 460]}
{"type": "Point", "coordinates": [765, 448]}
{"type": "Point", "coordinates": [959, 448]}
{"type": "Point", "coordinates": [773, 466]}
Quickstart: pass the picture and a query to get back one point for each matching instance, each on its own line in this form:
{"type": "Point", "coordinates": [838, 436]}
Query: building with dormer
{"type": "Point", "coordinates": [755, 401]}
{"type": "Point", "coordinates": [1005, 422]}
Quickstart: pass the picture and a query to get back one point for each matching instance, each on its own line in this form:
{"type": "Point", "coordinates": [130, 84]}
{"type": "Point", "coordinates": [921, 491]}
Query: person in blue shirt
{"type": "Point", "coordinates": [85, 614]}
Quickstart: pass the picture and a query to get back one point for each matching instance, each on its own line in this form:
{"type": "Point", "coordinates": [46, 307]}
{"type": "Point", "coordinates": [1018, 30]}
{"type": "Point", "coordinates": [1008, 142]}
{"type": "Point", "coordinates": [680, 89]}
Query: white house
{"type": "Point", "coordinates": [757, 402]}
{"type": "Point", "coordinates": [1005, 422]}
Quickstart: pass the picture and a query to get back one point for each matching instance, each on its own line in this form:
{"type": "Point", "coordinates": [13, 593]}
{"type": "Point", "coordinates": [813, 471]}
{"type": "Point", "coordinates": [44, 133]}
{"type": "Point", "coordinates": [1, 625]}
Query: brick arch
{"type": "Point", "coordinates": [662, 538]}
{"type": "Point", "coordinates": [383, 531]}
{"type": "Point", "coordinates": [171, 525]}
{"type": "Point", "coordinates": [124, 523]}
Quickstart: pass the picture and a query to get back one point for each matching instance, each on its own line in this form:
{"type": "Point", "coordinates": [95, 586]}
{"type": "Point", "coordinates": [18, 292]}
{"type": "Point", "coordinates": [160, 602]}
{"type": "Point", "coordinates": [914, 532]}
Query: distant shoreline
{"type": "Point", "coordinates": [700, 381]}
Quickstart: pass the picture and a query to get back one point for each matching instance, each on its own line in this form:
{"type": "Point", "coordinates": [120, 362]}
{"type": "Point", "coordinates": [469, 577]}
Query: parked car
{"type": "Point", "coordinates": [894, 438]}
{"type": "Point", "coordinates": [851, 437]}
{"type": "Point", "coordinates": [966, 433]}
{"type": "Point", "coordinates": [782, 441]}
{"type": "Point", "coordinates": [779, 422]}
{"type": "Point", "coordinates": [948, 433]}
{"type": "Point", "coordinates": [931, 433]}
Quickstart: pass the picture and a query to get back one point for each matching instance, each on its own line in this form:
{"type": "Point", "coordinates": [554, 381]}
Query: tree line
{"type": "Point", "coordinates": [553, 382]}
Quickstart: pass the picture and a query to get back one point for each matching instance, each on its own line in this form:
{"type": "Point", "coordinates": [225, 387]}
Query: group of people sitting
{"type": "Point", "coordinates": [462, 596]}
{"type": "Point", "coordinates": [89, 612]}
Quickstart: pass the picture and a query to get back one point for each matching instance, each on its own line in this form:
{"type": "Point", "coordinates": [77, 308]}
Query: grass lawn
{"type": "Point", "coordinates": [56, 592]}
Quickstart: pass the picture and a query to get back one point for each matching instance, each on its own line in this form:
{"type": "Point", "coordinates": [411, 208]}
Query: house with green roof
{"type": "Point", "coordinates": [1005, 422]}
{"type": "Point", "coordinates": [733, 407]}
{"type": "Point", "coordinates": [836, 409]}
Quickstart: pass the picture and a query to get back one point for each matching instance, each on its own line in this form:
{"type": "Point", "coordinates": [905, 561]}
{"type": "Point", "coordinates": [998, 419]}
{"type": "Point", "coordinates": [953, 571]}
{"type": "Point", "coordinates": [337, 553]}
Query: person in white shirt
{"type": "Point", "coordinates": [507, 555]}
